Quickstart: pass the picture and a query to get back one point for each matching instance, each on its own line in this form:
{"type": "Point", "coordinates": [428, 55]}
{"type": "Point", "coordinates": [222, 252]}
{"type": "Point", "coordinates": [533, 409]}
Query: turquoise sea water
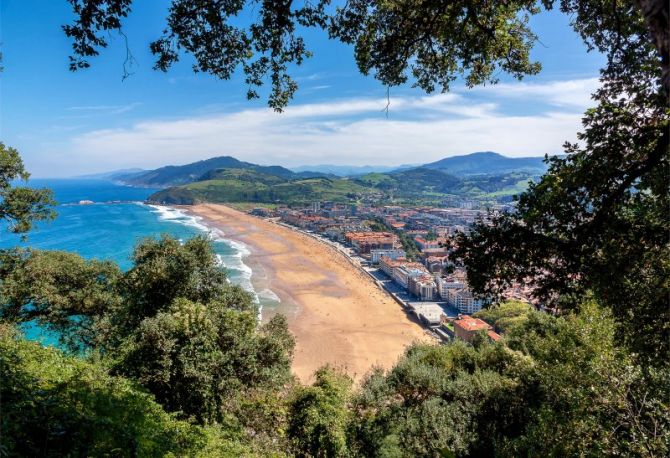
{"type": "Point", "coordinates": [111, 226]}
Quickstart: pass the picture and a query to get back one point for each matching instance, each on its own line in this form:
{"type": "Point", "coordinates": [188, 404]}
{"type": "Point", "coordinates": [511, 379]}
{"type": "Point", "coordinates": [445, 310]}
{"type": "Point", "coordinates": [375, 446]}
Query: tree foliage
{"type": "Point", "coordinates": [598, 220]}
{"type": "Point", "coordinates": [427, 43]}
{"type": "Point", "coordinates": [58, 405]}
{"type": "Point", "coordinates": [20, 206]}
{"type": "Point", "coordinates": [556, 387]}
{"type": "Point", "coordinates": [319, 416]}
{"type": "Point", "coordinates": [172, 322]}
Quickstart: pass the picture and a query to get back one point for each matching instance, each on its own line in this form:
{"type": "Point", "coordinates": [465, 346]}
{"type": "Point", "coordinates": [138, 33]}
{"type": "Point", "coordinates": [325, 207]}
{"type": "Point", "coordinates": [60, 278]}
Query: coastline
{"type": "Point", "coordinates": [337, 314]}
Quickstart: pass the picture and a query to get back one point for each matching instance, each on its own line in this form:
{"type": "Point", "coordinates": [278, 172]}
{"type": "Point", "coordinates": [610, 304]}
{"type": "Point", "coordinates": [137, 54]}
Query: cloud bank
{"type": "Point", "coordinates": [513, 119]}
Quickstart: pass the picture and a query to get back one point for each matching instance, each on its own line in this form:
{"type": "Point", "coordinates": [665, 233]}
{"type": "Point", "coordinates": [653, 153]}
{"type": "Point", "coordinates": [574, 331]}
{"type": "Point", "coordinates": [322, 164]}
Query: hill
{"type": "Point", "coordinates": [488, 163]}
{"type": "Point", "coordinates": [174, 175]}
{"type": "Point", "coordinates": [412, 181]}
{"type": "Point", "coordinates": [419, 185]}
{"type": "Point", "coordinates": [230, 185]}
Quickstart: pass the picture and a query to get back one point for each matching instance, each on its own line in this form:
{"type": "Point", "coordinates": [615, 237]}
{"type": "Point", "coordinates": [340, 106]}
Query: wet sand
{"type": "Point", "coordinates": [337, 314]}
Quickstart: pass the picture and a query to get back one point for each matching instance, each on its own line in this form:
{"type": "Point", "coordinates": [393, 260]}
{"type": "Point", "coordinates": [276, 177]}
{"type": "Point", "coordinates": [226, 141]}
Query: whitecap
{"type": "Point", "coordinates": [239, 272]}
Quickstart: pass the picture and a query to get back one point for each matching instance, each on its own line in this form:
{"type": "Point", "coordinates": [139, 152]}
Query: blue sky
{"type": "Point", "coordinates": [67, 123]}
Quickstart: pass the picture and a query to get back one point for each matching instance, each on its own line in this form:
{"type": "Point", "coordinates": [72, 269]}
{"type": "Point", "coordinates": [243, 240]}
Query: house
{"type": "Point", "coordinates": [466, 327]}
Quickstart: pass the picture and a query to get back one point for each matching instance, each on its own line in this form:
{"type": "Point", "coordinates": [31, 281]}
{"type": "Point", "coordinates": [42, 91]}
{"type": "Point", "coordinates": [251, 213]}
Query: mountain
{"type": "Point", "coordinates": [488, 163]}
{"type": "Point", "coordinates": [113, 175]}
{"type": "Point", "coordinates": [349, 170]}
{"type": "Point", "coordinates": [174, 175]}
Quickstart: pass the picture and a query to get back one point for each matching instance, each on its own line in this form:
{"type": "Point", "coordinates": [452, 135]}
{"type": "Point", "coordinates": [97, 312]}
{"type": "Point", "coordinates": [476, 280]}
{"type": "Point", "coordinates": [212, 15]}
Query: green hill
{"type": "Point", "coordinates": [235, 185]}
{"type": "Point", "coordinates": [419, 185]}
{"type": "Point", "coordinates": [175, 175]}
{"type": "Point", "coordinates": [412, 181]}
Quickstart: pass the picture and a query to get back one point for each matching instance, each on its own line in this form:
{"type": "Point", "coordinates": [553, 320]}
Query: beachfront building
{"type": "Point", "coordinates": [464, 300]}
{"type": "Point", "coordinates": [444, 284]}
{"type": "Point", "coordinates": [430, 313]}
{"type": "Point", "coordinates": [363, 242]}
{"type": "Point", "coordinates": [394, 254]}
{"type": "Point", "coordinates": [423, 287]}
{"type": "Point", "coordinates": [387, 264]}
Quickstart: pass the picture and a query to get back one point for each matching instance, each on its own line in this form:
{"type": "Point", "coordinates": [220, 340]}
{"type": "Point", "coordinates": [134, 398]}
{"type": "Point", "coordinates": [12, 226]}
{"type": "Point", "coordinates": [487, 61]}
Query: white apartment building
{"type": "Point", "coordinates": [445, 284]}
{"type": "Point", "coordinates": [464, 301]}
{"type": "Point", "coordinates": [375, 255]}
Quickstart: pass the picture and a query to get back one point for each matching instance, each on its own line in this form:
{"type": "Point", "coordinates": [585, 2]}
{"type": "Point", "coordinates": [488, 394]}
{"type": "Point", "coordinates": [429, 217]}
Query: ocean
{"type": "Point", "coordinates": [114, 223]}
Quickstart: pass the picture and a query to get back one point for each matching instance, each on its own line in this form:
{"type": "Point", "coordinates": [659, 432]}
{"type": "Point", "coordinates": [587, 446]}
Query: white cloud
{"type": "Point", "coordinates": [354, 131]}
{"type": "Point", "coordinates": [104, 109]}
{"type": "Point", "coordinates": [570, 93]}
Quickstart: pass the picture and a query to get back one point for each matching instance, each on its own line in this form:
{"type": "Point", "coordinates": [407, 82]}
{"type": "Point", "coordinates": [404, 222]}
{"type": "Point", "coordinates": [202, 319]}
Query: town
{"type": "Point", "coordinates": [407, 252]}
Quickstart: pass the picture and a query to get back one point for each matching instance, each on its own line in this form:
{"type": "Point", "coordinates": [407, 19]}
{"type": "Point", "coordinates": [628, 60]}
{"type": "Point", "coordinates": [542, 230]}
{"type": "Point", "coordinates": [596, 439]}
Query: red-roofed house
{"type": "Point", "coordinates": [466, 327]}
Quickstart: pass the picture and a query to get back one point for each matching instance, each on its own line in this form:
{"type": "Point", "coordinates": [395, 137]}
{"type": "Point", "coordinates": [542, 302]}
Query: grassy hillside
{"type": "Point", "coordinates": [175, 175]}
{"type": "Point", "coordinates": [226, 186]}
{"type": "Point", "coordinates": [419, 185]}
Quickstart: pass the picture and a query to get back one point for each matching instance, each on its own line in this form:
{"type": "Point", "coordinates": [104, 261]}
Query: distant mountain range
{"type": "Point", "coordinates": [481, 163]}
{"type": "Point", "coordinates": [174, 175]}
{"type": "Point", "coordinates": [486, 175]}
{"type": "Point", "coordinates": [351, 170]}
{"type": "Point", "coordinates": [487, 163]}
{"type": "Point", "coordinates": [113, 175]}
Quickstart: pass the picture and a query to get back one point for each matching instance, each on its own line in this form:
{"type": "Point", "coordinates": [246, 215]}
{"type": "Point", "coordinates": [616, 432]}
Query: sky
{"type": "Point", "coordinates": [68, 124]}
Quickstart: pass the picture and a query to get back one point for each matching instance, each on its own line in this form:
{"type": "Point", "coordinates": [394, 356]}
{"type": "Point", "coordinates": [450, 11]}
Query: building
{"type": "Point", "coordinates": [363, 242]}
{"type": "Point", "coordinates": [376, 255]}
{"type": "Point", "coordinates": [431, 313]}
{"type": "Point", "coordinates": [444, 284]}
{"type": "Point", "coordinates": [466, 327]}
{"type": "Point", "coordinates": [464, 300]}
{"type": "Point", "coordinates": [422, 286]}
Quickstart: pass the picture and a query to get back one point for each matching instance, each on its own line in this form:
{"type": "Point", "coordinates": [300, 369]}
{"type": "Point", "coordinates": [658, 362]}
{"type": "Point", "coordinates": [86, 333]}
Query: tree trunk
{"type": "Point", "coordinates": [655, 14]}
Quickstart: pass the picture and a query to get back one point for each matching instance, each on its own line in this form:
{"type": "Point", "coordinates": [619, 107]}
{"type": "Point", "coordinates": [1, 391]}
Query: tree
{"type": "Point", "coordinates": [59, 405]}
{"type": "Point", "coordinates": [172, 322]}
{"type": "Point", "coordinates": [61, 291]}
{"type": "Point", "coordinates": [434, 42]}
{"type": "Point", "coordinates": [165, 269]}
{"type": "Point", "coordinates": [598, 220]}
{"type": "Point", "coordinates": [556, 387]}
{"type": "Point", "coordinates": [198, 358]}
{"type": "Point", "coordinates": [318, 416]}
{"type": "Point", "coordinates": [20, 206]}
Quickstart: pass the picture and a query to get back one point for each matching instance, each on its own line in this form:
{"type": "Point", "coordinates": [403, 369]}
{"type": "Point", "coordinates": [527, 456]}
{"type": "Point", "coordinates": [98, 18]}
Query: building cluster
{"type": "Point", "coordinates": [427, 286]}
{"type": "Point", "coordinates": [428, 277]}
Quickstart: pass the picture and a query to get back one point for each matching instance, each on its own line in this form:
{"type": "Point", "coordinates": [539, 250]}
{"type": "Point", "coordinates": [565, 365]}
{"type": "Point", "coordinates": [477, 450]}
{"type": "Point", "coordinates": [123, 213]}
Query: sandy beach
{"type": "Point", "coordinates": [337, 314]}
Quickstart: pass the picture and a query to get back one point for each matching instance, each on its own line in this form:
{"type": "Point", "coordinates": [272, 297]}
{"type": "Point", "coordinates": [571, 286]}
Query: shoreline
{"type": "Point", "coordinates": [336, 312]}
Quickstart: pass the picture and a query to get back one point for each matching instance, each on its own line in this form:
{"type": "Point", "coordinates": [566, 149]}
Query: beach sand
{"type": "Point", "coordinates": [337, 314]}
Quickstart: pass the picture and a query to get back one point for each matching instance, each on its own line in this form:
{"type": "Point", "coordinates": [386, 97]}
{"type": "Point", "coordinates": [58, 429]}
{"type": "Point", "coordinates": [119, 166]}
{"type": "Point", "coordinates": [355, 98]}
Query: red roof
{"type": "Point", "coordinates": [494, 336]}
{"type": "Point", "coordinates": [472, 324]}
